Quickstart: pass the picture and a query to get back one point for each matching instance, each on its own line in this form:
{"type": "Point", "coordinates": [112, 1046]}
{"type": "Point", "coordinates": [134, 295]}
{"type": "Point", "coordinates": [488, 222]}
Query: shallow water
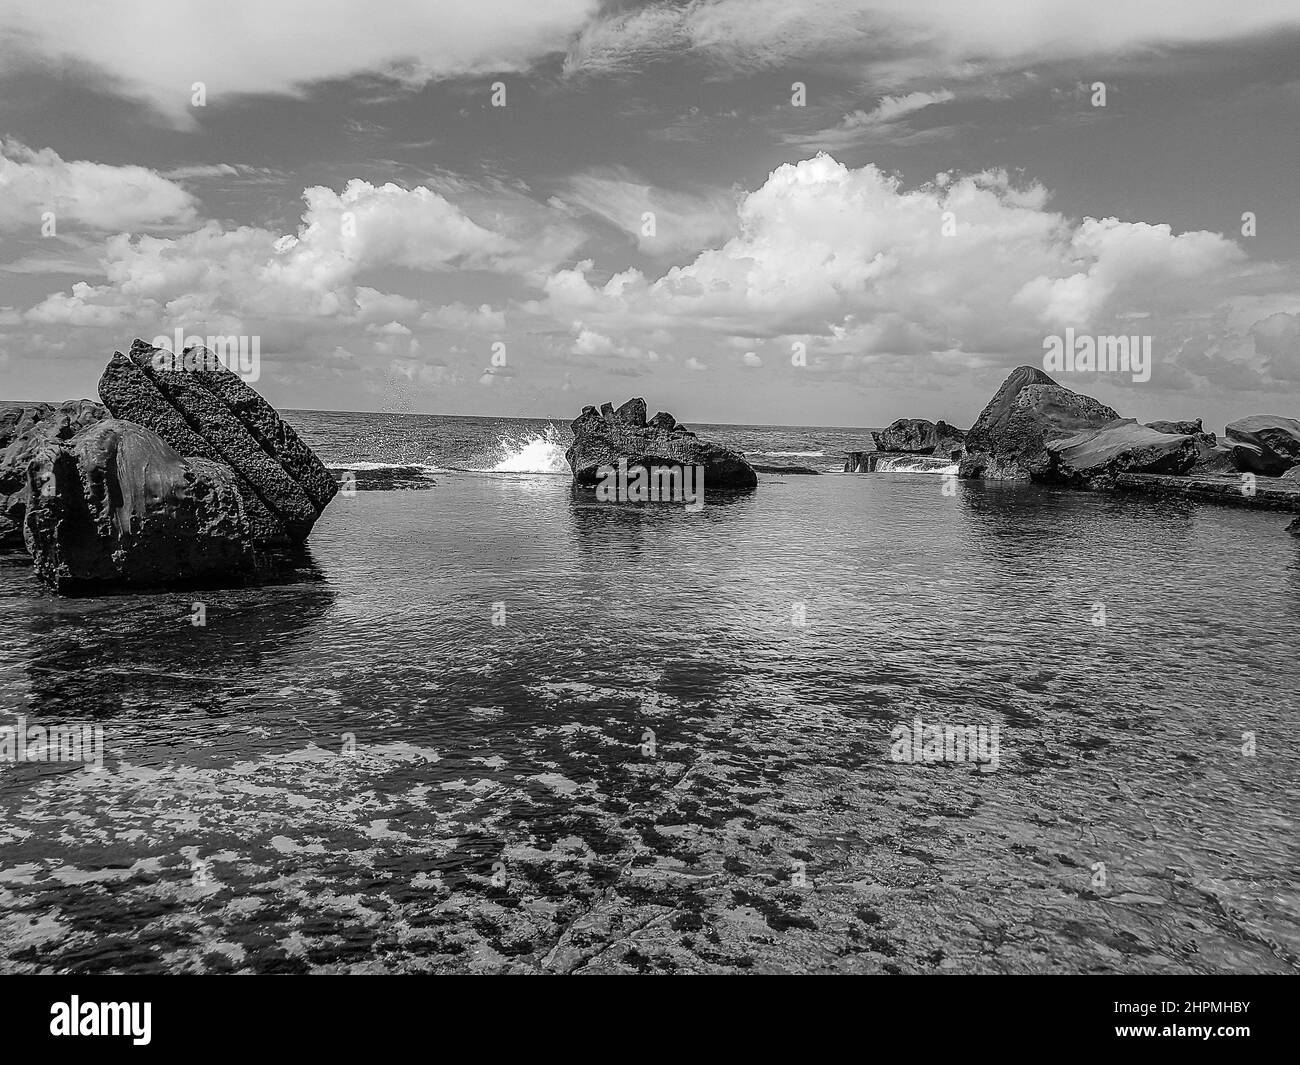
{"type": "Point", "coordinates": [648, 766]}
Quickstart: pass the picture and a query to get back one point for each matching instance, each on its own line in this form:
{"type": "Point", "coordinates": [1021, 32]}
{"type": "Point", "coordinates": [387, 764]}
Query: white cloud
{"type": "Point", "coordinates": [901, 39]}
{"type": "Point", "coordinates": [661, 221]}
{"type": "Point", "coordinates": [156, 51]}
{"type": "Point", "coordinates": [852, 257]}
{"type": "Point", "coordinates": [251, 271]}
{"type": "Point", "coordinates": [83, 194]}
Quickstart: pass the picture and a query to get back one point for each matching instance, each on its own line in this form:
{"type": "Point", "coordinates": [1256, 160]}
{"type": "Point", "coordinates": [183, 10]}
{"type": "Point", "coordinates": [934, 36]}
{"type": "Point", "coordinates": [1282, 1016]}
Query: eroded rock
{"type": "Point", "coordinates": [602, 438]}
{"type": "Point", "coordinates": [117, 506]}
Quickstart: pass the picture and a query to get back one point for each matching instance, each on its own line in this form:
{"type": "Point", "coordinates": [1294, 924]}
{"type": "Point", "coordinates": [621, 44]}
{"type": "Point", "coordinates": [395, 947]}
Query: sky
{"type": "Point", "coordinates": [810, 212]}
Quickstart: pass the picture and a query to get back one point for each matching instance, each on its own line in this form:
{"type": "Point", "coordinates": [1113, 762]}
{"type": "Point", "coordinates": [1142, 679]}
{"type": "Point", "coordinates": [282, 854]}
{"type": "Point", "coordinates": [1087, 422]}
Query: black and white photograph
{"type": "Point", "coordinates": [650, 487]}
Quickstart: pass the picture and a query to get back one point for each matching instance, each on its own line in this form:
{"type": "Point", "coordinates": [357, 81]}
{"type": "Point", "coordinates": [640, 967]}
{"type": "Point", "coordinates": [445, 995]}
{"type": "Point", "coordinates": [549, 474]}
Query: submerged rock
{"type": "Point", "coordinates": [116, 505]}
{"type": "Point", "coordinates": [602, 438]}
{"type": "Point", "coordinates": [1095, 457]}
{"type": "Point", "coordinates": [1009, 440]}
{"type": "Point", "coordinates": [22, 431]}
{"type": "Point", "coordinates": [211, 413]}
{"type": "Point", "coordinates": [1276, 439]}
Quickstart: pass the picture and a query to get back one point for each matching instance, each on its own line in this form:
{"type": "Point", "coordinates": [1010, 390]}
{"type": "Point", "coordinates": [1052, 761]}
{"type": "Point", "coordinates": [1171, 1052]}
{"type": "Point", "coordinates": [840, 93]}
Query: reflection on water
{"type": "Point", "coordinates": [513, 726]}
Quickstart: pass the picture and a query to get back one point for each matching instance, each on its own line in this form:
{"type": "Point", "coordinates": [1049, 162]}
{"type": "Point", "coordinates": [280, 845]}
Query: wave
{"type": "Point", "coordinates": [358, 467]}
{"type": "Point", "coordinates": [916, 464]}
{"type": "Point", "coordinates": [536, 453]}
{"type": "Point", "coordinates": [790, 454]}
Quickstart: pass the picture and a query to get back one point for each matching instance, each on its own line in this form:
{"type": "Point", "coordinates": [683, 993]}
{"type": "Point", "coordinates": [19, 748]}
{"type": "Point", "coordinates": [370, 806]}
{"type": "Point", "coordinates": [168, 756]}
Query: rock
{"type": "Point", "coordinates": [1251, 459]}
{"type": "Point", "coordinates": [1215, 459]}
{"type": "Point", "coordinates": [1095, 457]}
{"type": "Point", "coordinates": [23, 430]}
{"type": "Point", "coordinates": [210, 413]}
{"type": "Point", "coordinates": [920, 437]}
{"type": "Point", "coordinates": [914, 435]}
{"type": "Point", "coordinates": [1009, 439]}
{"type": "Point", "coordinates": [116, 506]}
{"type": "Point", "coordinates": [602, 440]}
{"type": "Point", "coordinates": [663, 421]}
{"type": "Point", "coordinates": [1185, 428]}
{"type": "Point", "coordinates": [1277, 438]}
{"type": "Point", "coordinates": [805, 470]}
{"type": "Point", "coordinates": [1293, 474]}
{"type": "Point", "coordinates": [631, 413]}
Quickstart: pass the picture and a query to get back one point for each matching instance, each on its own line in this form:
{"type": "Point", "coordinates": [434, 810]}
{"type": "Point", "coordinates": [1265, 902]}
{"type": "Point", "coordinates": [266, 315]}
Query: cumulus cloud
{"type": "Point", "coordinates": [315, 272]}
{"type": "Point", "coordinates": [242, 50]}
{"type": "Point", "coordinates": [976, 264]}
{"type": "Point", "coordinates": [83, 194]}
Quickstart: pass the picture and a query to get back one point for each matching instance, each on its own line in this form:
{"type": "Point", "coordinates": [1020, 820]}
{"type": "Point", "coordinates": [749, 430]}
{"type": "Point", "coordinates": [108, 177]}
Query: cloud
{"type": "Point", "coordinates": [861, 127]}
{"type": "Point", "coordinates": [973, 264]}
{"type": "Point", "coordinates": [661, 221]}
{"type": "Point", "coordinates": [213, 272]}
{"type": "Point", "coordinates": [900, 39]}
{"type": "Point", "coordinates": [150, 50]}
{"type": "Point", "coordinates": [82, 194]}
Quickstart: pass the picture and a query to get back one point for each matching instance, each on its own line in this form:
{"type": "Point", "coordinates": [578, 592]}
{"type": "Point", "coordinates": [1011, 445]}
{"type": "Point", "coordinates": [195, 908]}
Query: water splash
{"type": "Point", "coordinates": [536, 453]}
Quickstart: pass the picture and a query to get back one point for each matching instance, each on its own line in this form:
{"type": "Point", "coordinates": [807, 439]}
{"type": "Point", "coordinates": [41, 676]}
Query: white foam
{"type": "Point", "coordinates": [916, 464]}
{"type": "Point", "coordinates": [537, 453]}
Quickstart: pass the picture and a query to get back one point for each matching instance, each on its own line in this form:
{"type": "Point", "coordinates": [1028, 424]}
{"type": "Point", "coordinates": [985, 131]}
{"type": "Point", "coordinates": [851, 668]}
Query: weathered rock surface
{"type": "Point", "coordinates": [602, 438]}
{"type": "Point", "coordinates": [1009, 439]}
{"type": "Point", "coordinates": [22, 431]}
{"type": "Point", "coordinates": [210, 413]}
{"type": "Point", "coordinates": [115, 505]}
{"type": "Point", "coordinates": [1183, 428]}
{"type": "Point", "coordinates": [1277, 438]}
{"type": "Point", "coordinates": [1095, 457]}
{"type": "Point", "coordinates": [920, 436]}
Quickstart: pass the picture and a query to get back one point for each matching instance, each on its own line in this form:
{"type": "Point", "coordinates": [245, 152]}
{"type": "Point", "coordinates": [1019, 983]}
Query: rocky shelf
{"type": "Point", "coordinates": [1270, 493]}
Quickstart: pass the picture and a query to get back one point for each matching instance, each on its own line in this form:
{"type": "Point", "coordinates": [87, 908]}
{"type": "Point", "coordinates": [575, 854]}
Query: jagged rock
{"type": "Point", "coordinates": [1183, 428]}
{"type": "Point", "coordinates": [1214, 459]}
{"type": "Point", "coordinates": [210, 413]}
{"type": "Point", "coordinates": [115, 505]}
{"type": "Point", "coordinates": [1277, 438]}
{"type": "Point", "coordinates": [601, 440]}
{"type": "Point", "coordinates": [663, 421]}
{"type": "Point", "coordinates": [22, 431]}
{"type": "Point", "coordinates": [1095, 457]}
{"type": "Point", "coordinates": [631, 413]}
{"type": "Point", "coordinates": [1009, 439]}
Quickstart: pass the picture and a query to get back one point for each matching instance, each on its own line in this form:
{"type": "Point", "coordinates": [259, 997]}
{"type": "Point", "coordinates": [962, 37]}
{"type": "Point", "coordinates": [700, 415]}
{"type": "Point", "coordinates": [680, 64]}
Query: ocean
{"type": "Point", "coordinates": [494, 727]}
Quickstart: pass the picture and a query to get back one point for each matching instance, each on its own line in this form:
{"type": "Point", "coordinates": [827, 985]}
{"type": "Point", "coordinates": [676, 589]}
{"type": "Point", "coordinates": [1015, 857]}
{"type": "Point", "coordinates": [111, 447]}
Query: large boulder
{"type": "Point", "coordinates": [602, 437]}
{"type": "Point", "coordinates": [1009, 439]}
{"type": "Point", "coordinates": [1095, 457]}
{"type": "Point", "coordinates": [919, 436]}
{"type": "Point", "coordinates": [23, 429]}
{"type": "Point", "coordinates": [116, 506]}
{"type": "Point", "coordinates": [201, 408]}
{"type": "Point", "coordinates": [1277, 438]}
